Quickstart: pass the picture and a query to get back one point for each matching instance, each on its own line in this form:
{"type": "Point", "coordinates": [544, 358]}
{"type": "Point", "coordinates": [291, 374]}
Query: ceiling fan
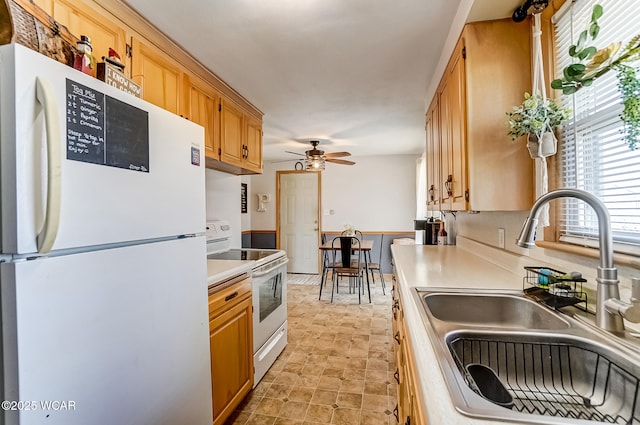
{"type": "Point", "coordinates": [315, 158]}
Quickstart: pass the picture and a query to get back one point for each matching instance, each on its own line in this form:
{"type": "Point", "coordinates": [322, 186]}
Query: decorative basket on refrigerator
{"type": "Point", "coordinates": [25, 23]}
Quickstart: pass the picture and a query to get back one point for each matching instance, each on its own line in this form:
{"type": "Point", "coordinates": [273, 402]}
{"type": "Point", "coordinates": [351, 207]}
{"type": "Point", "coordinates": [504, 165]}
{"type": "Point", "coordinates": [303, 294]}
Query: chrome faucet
{"type": "Point", "coordinates": [609, 308]}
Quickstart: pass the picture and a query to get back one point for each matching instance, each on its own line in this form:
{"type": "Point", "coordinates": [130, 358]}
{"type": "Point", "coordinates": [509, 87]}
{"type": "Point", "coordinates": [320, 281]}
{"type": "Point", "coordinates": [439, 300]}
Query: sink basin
{"type": "Point", "coordinates": [492, 310]}
{"type": "Point", "coordinates": [505, 357]}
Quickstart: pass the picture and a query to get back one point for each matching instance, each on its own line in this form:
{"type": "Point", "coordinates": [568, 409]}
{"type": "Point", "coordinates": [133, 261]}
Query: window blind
{"type": "Point", "coordinates": [593, 154]}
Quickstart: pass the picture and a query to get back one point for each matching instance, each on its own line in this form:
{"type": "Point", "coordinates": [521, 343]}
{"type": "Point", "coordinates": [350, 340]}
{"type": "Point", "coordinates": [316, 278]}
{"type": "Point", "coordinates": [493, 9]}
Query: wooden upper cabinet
{"type": "Point", "coordinates": [233, 127]}
{"type": "Point", "coordinates": [480, 168]}
{"type": "Point", "coordinates": [433, 157]}
{"type": "Point", "coordinates": [159, 75]}
{"type": "Point", "coordinates": [202, 104]}
{"type": "Point", "coordinates": [46, 5]}
{"type": "Point", "coordinates": [231, 133]}
{"type": "Point", "coordinates": [82, 19]}
{"type": "Point", "coordinates": [498, 72]}
{"type": "Point", "coordinates": [457, 150]}
{"type": "Point", "coordinates": [453, 155]}
{"type": "Point", "coordinates": [253, 155]}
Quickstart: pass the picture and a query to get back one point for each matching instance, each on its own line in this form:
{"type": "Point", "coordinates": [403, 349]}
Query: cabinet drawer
{"type": "Point", "coordinates": [228, 296]}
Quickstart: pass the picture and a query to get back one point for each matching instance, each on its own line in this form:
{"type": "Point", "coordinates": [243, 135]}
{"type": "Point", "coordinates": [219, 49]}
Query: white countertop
{"type": "Point", "coordinates": [438, 266]}
{"type": "Point", "coordinates": [218, 270]}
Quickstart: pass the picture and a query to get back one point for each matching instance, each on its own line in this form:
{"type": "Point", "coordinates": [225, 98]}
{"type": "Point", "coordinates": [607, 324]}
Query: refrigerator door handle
{"type": "Point", "coordinates": [46, 97]}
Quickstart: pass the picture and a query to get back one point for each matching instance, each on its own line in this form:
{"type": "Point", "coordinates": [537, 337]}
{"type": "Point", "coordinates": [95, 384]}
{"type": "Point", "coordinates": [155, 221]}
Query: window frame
{"type": "Point", "coordinates": [553, 235]}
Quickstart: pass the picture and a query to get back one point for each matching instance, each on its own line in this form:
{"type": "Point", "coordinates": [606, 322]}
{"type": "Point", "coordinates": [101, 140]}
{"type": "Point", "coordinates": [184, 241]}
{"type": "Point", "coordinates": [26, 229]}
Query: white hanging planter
{"type": "Point", "coordinates": [542, 147]}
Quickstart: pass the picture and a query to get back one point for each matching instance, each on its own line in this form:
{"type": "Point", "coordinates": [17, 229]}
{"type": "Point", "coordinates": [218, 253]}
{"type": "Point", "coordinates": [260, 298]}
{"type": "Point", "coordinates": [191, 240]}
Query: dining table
{"type": "Point", "coordinates": [366, 245]}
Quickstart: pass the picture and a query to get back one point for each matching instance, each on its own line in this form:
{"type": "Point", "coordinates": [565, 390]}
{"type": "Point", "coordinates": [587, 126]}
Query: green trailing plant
{"type": "Point", "coordinates": [592, 63]}
{"type": "Point", "coordinates": [535, 115]}
{"type": "Point", "coordinates": [584, 70]}
{"type": "Point", "coordinates": [629, 86]}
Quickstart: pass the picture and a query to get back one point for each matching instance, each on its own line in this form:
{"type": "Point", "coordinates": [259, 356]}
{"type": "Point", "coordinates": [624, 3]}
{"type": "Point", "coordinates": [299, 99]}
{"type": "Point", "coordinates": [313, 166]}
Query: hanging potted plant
{"type": "Point", "coordinates": [536, 118]}
{"type": "Point", "coordinates": [591, 64]}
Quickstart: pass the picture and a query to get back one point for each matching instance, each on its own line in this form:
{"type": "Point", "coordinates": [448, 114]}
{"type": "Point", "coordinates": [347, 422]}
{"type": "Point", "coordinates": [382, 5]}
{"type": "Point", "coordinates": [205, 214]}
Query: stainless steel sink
{"type": "Point", "coordinates": [505, 357]}
{"type": "Point", "coordinates": [492, 310]}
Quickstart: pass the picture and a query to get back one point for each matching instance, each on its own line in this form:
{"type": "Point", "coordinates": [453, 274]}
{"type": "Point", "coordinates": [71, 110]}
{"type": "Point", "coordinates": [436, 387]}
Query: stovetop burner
{"type": "Point", "coordinates": [241, 254]}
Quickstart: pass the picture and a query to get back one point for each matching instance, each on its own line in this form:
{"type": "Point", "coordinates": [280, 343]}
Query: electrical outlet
{"type": "Point", "coordinates": [501, 238]}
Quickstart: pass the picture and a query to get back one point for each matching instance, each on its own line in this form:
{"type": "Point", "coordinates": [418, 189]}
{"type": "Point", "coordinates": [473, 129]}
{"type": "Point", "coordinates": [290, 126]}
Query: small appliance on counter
{"type": "Point", "coordinates": [269, 293]}
{"type": "Point", "coordinates": [430, 228]}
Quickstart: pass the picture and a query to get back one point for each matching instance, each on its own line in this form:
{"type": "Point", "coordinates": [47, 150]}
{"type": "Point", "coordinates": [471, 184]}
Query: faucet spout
{"type": "Point", "coordinates": [607, 276]}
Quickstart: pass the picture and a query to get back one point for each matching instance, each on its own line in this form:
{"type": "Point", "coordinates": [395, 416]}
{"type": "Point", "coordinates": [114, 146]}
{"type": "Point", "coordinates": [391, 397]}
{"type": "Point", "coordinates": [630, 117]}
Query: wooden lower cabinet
{"type": "Point", "coordinates": [410, 410]}
{"type": "Point", "coordinates": [231, 340]}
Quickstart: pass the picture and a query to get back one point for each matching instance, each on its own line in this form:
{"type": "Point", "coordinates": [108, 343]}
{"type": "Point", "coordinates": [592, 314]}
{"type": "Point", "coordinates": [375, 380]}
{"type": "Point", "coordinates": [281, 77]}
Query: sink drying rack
{"type": "Point", "coordinates": [553, 288]}
{"type": "Point", "coordinates": [551, 379]}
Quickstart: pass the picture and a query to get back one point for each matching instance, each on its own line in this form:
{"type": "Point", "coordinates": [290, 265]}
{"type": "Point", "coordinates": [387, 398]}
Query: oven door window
{"type": "Point", "coordinates": [270, 295]}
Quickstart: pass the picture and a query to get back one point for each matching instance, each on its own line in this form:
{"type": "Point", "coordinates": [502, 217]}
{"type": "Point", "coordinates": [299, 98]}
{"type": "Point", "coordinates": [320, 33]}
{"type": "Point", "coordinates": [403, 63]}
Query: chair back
{"type": "Point", "coordinates": [347, 244]}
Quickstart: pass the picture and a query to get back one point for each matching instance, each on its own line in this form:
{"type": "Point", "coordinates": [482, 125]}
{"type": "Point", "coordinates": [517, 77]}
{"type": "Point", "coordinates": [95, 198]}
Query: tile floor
{"type": "Point", "coordinates": [337, 368]}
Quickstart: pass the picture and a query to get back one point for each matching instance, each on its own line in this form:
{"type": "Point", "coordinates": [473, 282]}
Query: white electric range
{"type": "Point", "coordinates": [269, 293]}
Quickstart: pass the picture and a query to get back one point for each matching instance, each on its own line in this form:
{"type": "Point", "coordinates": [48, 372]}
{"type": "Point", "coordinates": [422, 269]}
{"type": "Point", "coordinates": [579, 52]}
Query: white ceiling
{"type": "Point", "coordinates": [352, 73]}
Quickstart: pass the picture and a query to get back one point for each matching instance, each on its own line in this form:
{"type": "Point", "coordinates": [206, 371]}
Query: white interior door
{"type": "Point", "coordinates": [299, 220]}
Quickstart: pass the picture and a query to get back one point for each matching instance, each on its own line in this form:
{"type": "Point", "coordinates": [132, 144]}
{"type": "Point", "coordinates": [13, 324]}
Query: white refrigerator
{"type": "Point", "coordinates": [103, 263]}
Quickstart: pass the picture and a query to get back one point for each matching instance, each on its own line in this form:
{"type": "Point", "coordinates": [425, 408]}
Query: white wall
{"type": "Point", "coordinates": [376, 194]}
{"type": "Point", "coordinates": [483, 227]}
{"type": "Point", "coordinates": [223, 201]}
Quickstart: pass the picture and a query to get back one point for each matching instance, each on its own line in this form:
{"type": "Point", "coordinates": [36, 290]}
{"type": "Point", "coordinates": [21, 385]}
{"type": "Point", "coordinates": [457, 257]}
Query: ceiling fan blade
{"type": "Point", "coordinates": [337, 154]}
{"type": "Point", "coordinates": [340, 161]}
{"type": "Point", "coordinates": [286, 160]}
{"type": "Point", "coordinates": [296, 153]}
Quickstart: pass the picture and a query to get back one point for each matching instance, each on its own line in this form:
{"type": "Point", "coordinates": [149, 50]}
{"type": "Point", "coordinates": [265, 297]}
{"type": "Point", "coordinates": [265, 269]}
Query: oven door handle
{"type": "Point", "coordinates": [269, 270]}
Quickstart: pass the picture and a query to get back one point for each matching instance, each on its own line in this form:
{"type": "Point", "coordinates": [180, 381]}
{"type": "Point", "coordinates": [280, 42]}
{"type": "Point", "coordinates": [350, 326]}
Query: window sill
{"type": "Point", "coordinates": [620, 259]}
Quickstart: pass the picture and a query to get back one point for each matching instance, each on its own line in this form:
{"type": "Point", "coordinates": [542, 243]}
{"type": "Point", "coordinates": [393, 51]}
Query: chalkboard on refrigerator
{"type": "Point", "coordinates": [105, 131]}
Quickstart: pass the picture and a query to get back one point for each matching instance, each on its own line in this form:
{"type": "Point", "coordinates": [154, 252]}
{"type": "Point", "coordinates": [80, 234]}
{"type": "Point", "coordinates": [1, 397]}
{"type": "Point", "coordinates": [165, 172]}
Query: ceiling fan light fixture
{"type": "Point", "coordinates": [316, 159]}
{"type": "Point", "coordinates": [314, 164]}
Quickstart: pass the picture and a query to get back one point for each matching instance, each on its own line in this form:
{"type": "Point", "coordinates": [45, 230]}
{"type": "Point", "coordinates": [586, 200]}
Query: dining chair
{"type": "Point", "coordinates": [358, 234]}
{"type": "Point", "coordinates": [371, 266]}
{"type": "Point", "coordinates": [349, 262]}
{"type": "Point", "coordinates": [327, 264]}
